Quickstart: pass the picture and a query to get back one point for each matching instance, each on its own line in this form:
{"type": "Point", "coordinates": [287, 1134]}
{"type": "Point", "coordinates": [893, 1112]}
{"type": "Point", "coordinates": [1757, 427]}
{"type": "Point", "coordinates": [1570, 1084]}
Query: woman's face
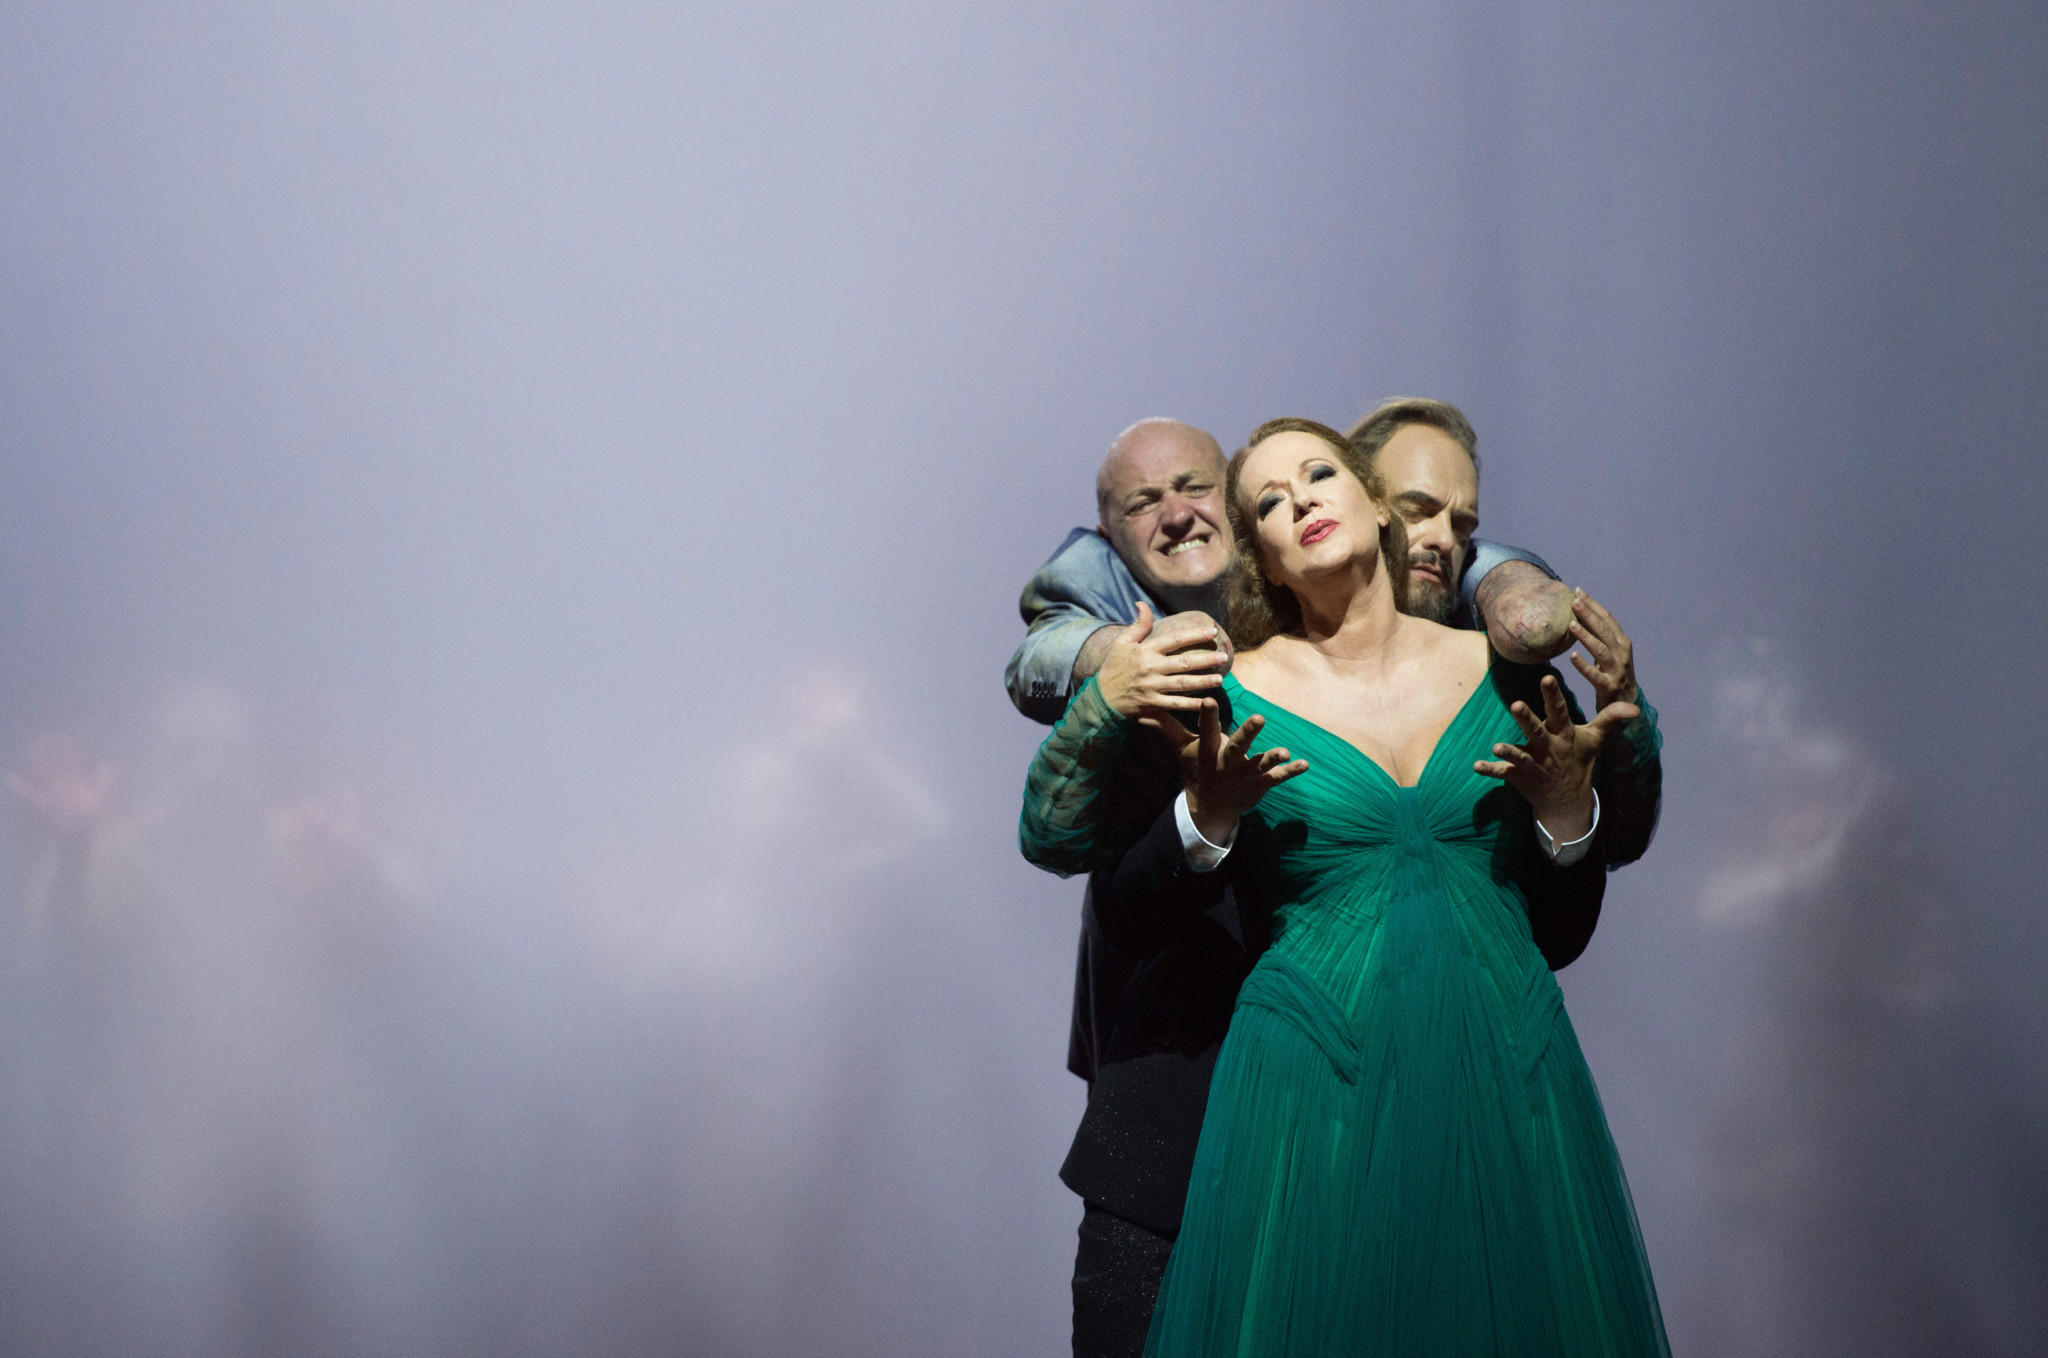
{"type": "Point", "coordinates": [1310, 515]}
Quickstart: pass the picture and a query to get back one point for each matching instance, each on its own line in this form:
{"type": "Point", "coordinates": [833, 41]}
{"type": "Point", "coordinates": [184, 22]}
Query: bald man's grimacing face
{"type": "Point", "coordinates": [1161, 498]}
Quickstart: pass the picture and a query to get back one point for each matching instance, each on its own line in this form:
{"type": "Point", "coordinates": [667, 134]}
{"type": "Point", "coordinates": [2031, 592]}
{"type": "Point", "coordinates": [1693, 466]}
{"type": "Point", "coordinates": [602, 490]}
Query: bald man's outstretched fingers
{"type": "Point", "coordinates": [1168, 725]}
{"type": "Point", "coordinates": [1273, 767]}
{"type": "Point", "coordinates": [1526, 719]}
{"type": "Point", "coordinates": [1293, 768]}
{"type": "Point", "coordinates": [1492, 768]}
{"type": "Point", "coordinates": [1221, 780]}
{"type": "Point", "coordinates": [1241, 738]}
{"type": "Point", "coordinates": [1212, 734]}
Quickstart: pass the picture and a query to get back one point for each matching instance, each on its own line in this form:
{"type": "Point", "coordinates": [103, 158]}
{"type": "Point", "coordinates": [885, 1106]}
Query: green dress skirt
{"type": "Point", "coordinates": [1404, 1152]}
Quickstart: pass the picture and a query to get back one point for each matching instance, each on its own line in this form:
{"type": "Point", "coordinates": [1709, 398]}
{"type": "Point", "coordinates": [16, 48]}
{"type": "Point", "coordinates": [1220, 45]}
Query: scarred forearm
{"type": "Point", "coordinates": [1528, 615]}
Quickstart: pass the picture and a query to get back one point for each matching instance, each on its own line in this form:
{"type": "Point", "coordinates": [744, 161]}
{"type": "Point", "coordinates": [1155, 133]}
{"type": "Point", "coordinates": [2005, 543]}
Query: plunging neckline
{"type": "Point", "coordinates": [1231, 682]}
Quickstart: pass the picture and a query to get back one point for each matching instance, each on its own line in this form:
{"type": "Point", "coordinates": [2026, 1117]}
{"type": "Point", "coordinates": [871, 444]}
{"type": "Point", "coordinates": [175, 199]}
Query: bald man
{"type": "Point", "coordinates": [1161, 541]}
{"type": "Point", "coordinates": [1125, 618]}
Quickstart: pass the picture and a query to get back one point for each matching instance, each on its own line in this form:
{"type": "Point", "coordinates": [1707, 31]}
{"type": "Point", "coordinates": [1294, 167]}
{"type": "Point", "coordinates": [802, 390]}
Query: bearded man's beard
{"type": "Point", "coordinates": [1426, 598]}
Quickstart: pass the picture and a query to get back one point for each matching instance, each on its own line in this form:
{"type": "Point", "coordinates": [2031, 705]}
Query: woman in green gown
{"type": "Point", "coordinates": [1404, 1152]}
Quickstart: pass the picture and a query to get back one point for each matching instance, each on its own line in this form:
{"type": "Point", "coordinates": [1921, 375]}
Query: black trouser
{"type": "Point", "coordinates": [1116, 1279]}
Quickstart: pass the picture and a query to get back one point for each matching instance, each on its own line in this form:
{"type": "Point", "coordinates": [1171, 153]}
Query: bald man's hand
{"type": "Point", "coordinates": [1161, 666]}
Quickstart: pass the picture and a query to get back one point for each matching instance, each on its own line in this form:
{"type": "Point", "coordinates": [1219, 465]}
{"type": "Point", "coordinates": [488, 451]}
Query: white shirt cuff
{"type": "Point", "coordinates": [1202, 855]}
{"type": "Point", "coordinates": [1564, 855]}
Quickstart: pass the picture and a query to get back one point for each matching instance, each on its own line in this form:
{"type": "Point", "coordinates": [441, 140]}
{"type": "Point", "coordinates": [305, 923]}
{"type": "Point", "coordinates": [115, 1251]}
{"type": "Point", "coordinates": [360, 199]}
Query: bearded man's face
{"type": "Point", "coordinates": [1434, 488]}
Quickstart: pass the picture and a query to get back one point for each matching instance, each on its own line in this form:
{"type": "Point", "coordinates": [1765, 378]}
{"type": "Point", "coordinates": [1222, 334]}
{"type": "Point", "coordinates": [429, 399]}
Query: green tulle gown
{"type": "Point", "coordinates": [1404, 1152]}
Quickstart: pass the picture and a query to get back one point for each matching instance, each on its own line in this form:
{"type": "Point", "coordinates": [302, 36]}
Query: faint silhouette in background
{"type": "Point", "coordinates": [1868, 1195]}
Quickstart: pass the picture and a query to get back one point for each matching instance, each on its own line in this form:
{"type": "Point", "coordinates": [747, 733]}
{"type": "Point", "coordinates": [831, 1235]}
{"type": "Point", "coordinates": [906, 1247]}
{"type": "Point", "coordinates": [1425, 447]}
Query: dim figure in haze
{"type": "Point", "coordinates": [1154, 990]}
{"type": "Point", "coordinates": [1403, 1150]}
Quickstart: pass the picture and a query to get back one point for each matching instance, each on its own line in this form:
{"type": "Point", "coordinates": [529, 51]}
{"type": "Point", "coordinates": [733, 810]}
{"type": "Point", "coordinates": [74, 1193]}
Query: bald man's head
{"type": "Point", "coordinates": [1160, 498]}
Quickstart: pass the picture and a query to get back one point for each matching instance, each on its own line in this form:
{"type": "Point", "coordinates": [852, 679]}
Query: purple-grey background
{"type": "Point", "coordinates": [511, 520]}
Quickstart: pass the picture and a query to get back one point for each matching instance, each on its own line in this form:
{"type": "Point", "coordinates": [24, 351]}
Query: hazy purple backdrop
{"type": "Point", "coordinates": [511, 523]}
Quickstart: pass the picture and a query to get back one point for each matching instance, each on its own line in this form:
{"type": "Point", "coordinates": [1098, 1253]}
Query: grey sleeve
{"type": "Point", "coordinates": [1040, 675]}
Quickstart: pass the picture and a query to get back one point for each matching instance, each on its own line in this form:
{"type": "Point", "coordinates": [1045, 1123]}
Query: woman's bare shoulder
{"type": "Point", "coordinates": [1247, 666]}
{"type": "Point", "coordinates": [1456, 649]}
